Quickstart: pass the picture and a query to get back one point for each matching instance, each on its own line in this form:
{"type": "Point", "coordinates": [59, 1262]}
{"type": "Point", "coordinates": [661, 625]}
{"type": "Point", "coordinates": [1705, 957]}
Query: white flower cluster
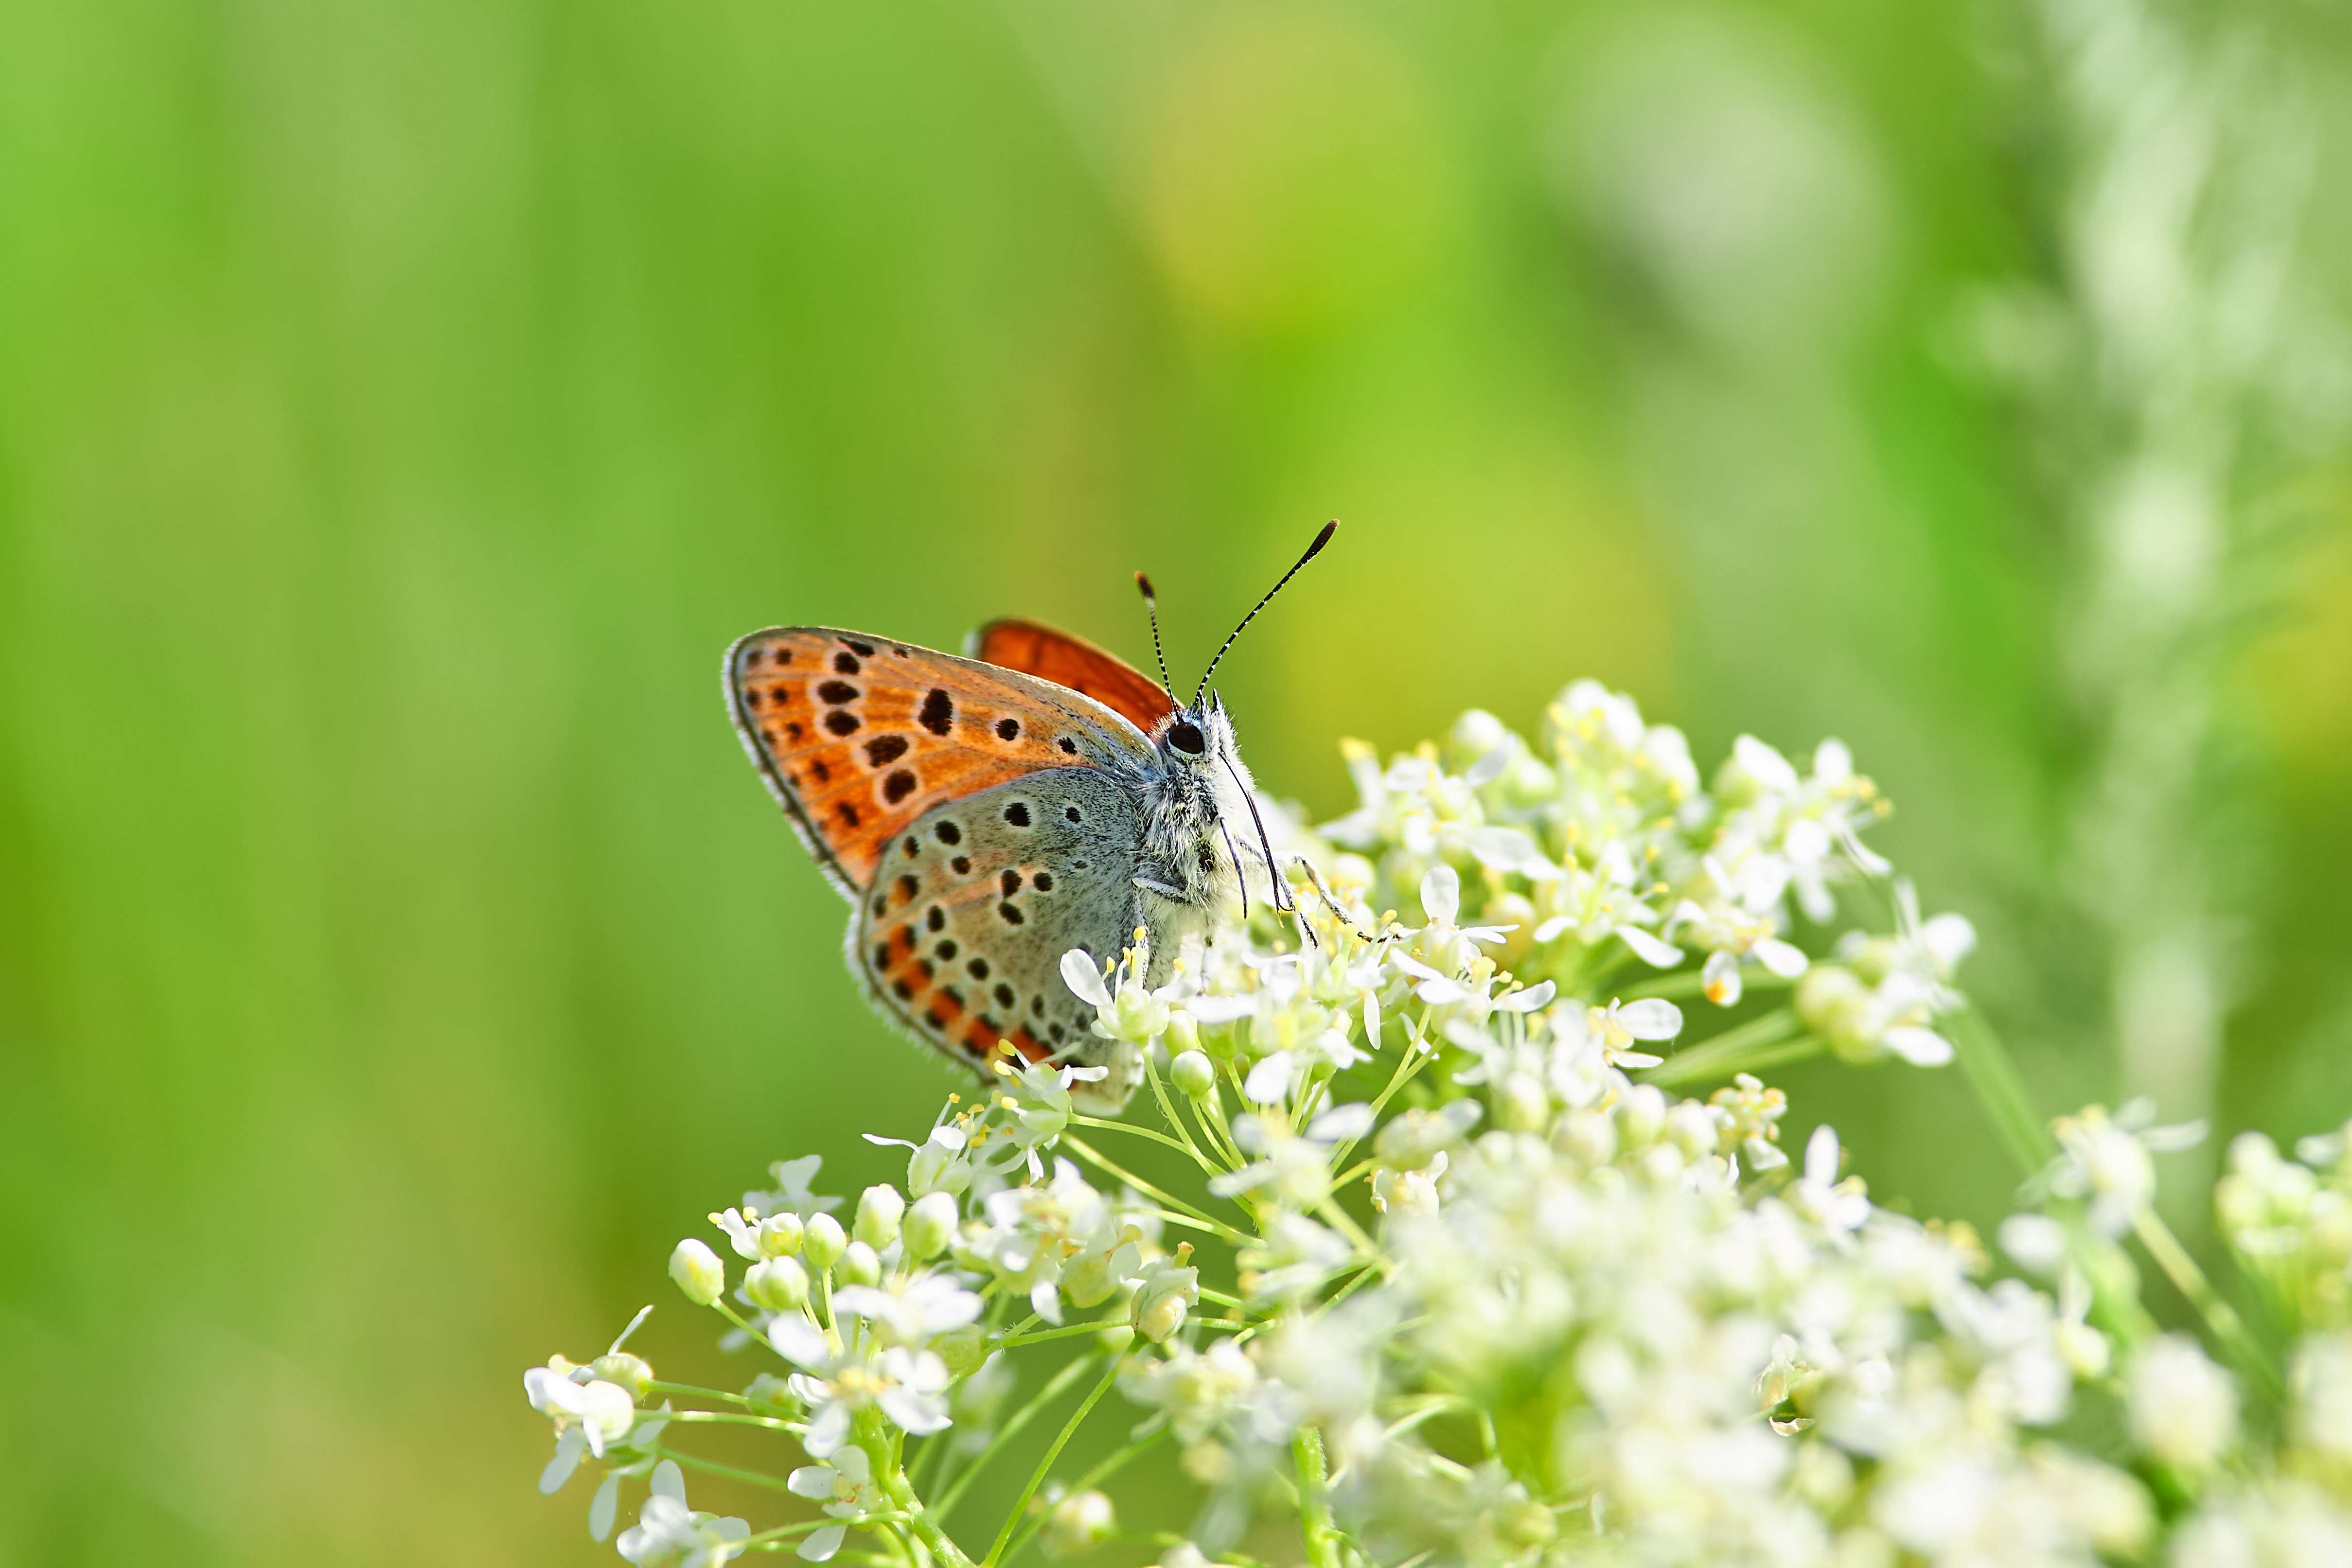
{"type": "Point", "coordinates": [1408, 1248]}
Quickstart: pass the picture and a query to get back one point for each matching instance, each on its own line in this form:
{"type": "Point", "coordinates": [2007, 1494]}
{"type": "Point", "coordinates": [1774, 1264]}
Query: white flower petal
{"type": "Point", "coordinates": [827, 1430]}
{"type": "Point", "coordinates": [1549, 930]}
{"type": "Point", "coordinates": [813, 1481]}
{"type": "Point", "coordinates": [667, 1480]}
{"type": "Point", "coordinates": [1783, 958]}
{"type": "Point", "coordinates": [1652, 1017]}
{"type": "Point", "coordinates": [1081, 974]}
{"type": "Point", "coordinates": [799, 1341]}
{"type": "Point", "coordinates": [566, 1460]}
{"type": "Point", "coordinates": [1919, 1047]}
{"type": "Point", "coordinates": [1269, 1081]}
{"type": "Point", "coordinates": [1651, 951]}
{"type": "Point", "coordinates": [1341, 1124]}
{"type": "Point", "coordinates": [1441, 894]}
{"type": "Point", "coordinates": [1534, 998]}
{"type": "Point", "coordinates": [1821, 1156]}
{"type": "Point", "coordinates": [821, 1544]}
{"type": "Point", "coordinates": [605, 1507]}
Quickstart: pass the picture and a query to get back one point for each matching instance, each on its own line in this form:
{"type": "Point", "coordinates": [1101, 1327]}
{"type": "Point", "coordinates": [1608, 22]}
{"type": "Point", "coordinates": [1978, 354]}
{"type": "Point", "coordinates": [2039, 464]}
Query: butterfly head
{"type": "Point", "coordinates": [1198, 740]}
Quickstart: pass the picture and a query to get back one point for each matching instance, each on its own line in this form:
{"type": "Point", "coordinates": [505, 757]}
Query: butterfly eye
{"type": "Point", "coordinates": [1185, 736]}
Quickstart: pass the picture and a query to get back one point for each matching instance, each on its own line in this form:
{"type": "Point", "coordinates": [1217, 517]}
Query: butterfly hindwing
{"type": "Point", "coordinates": [860, 735]}
{"type": "Point", "coordinates": [1077, 664]}
{"type": "Point", "coordinates": [962, 935]}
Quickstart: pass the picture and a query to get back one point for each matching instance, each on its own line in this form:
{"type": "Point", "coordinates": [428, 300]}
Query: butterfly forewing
{"type": "Point", "coordinates": [1076, 663]}
{"type": "Point", "coordinates": [858, 735]}
{"type": "Point", "coordinates": [962, 935]}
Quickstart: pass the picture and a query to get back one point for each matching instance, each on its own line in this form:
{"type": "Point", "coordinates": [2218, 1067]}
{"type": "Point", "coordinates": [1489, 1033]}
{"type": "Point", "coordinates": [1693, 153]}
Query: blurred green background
{"type": "Point", "coordinates": [402, 407]}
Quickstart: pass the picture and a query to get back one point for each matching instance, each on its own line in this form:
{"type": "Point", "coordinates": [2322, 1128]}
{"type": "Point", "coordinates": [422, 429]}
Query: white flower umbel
{"type": "Point", "coordinates": [1466, 1235]}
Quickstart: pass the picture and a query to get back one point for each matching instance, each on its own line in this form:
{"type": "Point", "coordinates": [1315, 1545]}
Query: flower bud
{"type": "Point", "coordinates": [879, 1210]}
{"type": "Point", "coordinates": [930, 1224]}
{"type": "Point", "coordinates": [1162, 1300]}
{"type": "Point", "coordinates": [1641, 1113]}
{"type": "Point", "coordinates": [1195, 1073]}
{"type": "Point", "coordinates": [778, 1285]}
{"type": "Point", "coordinates": [859, 1266]}
{"type": "Point", "coordinates": [1184, 1033]}
{"type": "Point", "coordinates": [768, 1389]}
{"type": "Point", "coordinates": [1693, 1128]}
{"type": "Point", "coordinates": [822, 1242]}
{"type": "Point", "coordinates": [780, 1235]}
{"type": "Point", "coordinates": [630, 1372]}
{"type": "Point", "coordinates": [1076, 1523]}
{"type": "Point", "coordinates": [1587, 1135]}
{"type": "Point", "coordinates": [699, 1272]}
{"type": "Point", "coordinates": [962, 1349]}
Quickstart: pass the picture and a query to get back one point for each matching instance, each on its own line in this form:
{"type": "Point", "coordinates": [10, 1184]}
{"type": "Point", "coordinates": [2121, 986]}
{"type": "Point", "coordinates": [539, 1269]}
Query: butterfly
{"type": "Point", "coordinates": [986, 815]}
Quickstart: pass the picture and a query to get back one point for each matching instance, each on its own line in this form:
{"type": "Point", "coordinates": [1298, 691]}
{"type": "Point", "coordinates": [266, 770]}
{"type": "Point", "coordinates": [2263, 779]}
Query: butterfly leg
{"type": "Point", "coordinates": [1315, 880]}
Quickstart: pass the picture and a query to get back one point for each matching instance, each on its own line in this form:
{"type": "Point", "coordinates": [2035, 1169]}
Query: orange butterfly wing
{"type": "Point", "coordinates": [858, 735]}
{"type": "Point", "coordinates": [1076, 663]}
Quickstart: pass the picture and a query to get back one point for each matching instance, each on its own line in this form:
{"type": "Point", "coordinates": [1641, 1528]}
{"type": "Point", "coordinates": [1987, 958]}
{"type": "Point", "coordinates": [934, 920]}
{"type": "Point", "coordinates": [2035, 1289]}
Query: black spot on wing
{"type": "Point", "coordinates": [938, 715]}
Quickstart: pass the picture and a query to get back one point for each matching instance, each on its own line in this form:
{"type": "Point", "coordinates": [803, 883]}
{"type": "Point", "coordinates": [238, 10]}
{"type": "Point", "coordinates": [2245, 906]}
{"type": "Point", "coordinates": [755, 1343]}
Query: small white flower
{"type": "Point", "coordinates": [669, 1533]}
{"type": "Point", "coordinates": [2183, 1409]}
{"type": "Point", "coordinates": [910, 1311]}
{"type": "Point", "coordinates": [792, 1192]}
{"type": "Point", "coordinates": [1838, 1207]}
{"type": "Point", "coordinates": [907, 1384]}
{"type": "Point", "coordinates": [844, 1486]}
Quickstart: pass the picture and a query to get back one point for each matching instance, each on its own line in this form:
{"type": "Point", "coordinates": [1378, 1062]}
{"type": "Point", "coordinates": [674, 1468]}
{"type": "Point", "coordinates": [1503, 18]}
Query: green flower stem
{"type": "Point", "coordinates": [768, 1539]}
{"type": "Point", "coordinates": [881, 1445]}
{"type": "Point", "coordinates": [732, 1316]}
{"type": "Point", "coordinates": [1009, 1430]}
{"type": "Point", "coordinates": [1986, 1063]}
{"type": "Point", "coordinates": [1214, 1226]}
{"type": "Point", "coordinates": [1223, 1300]}
{"type": "Point", "coordinates": [1168, 1112]}
{"type": "Point", "coordinates": [1117, 1461]}
{"type": "Point", "coordinates": [1069, 1331]}
{"type": "Point", "coordinates": [1322, 1540]}
{"type": "Point", "coordinates": [694, 1390]}
{"type": "Point", "coordinates": [1410, 1063]}
{"type": "Point", "coordinates": [711, 1467]}
{"type": "Point", "coordinates": [1344, 1223]}
{"type": "Point", "coordinates": [1762, 1042]}
{"type": "Point", "coordinates": [1692, 983]}
{"type": "Point", "coordinates": [1177, 1143]}
{"type": "Point", "coordinates": [739, 1418]}
{"type": "Point", "coordinates": [1054, 1451]}
{"type": "Point", "coordinates": [2228, 1330]}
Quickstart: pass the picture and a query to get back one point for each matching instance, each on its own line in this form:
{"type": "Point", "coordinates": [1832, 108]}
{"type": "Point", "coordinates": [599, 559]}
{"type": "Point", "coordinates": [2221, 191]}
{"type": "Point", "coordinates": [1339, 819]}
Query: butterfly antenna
{"type": "Point", "coordinates": [1322, 539]}
{"type": "Point", "coordinates": [1152, 608]}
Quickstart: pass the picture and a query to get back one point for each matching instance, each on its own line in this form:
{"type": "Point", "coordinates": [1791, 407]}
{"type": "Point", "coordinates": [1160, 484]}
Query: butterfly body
{"type": "Point", "coordinates": [984, 820]}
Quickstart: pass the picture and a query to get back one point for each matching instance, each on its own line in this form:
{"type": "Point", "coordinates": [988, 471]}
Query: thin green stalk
{"type": "Point", "coordinates": [1986, 1063]}
{"type": "Point", "coordinates": [1069, 1331]}
{"type": "Point", "coordinates": [1410, 1063]}
{"type": "Point", "coordinates": [1692, 983]}
{"type": "Point", "coordinates": [1037, 1477]}
{"type": "Point", "coordinates": [767, 1539]}
{"type": "Point", "coordinates": [693, 1462]}
{"type": "Point", "coordinates": [1089, 1153]}
{"type": "Point", "coordinates": [1011, 1429]}
{"type": "Point", "coordinates": [696, 1391]}
{"type": "Point", "coordinates": [736, 1417]}
{"type": "Point", "coordinates": [1321, 1538]}
{"type": "Point", "coordinates": [1101, 1472]}
{"type": "Point", "coordinates": [1180, 1146]}
{"type": "Point", "coordinates": [2228, 1330]}
{"type": "Point", "coordinates": [1762, 1042]}
{"type": "Point", "coordinates": [1175, 1121]}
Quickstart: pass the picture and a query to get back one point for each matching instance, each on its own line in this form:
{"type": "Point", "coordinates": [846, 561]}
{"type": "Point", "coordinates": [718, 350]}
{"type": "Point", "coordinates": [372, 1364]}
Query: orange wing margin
{"type": "Point", "coordinates": [1075, 663]}
{"type": "Point", "coordinates": [859, 735]}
